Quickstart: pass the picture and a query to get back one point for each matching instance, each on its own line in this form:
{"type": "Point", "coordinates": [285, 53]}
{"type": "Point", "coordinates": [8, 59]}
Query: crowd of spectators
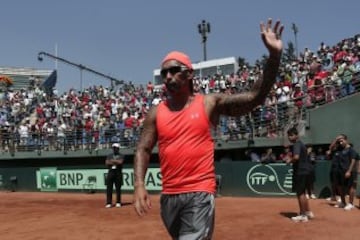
{"type": "Point", "coordinates": [279, 154]}
{"type": "Point", "coordinates": [98, 115]}
{"type": "Point", "coordinates": [314, 78]}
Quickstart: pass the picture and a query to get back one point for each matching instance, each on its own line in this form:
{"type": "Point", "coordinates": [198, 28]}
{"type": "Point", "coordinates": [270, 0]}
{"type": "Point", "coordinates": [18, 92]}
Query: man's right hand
{"type": "Point", "coordinates": [142, 201]}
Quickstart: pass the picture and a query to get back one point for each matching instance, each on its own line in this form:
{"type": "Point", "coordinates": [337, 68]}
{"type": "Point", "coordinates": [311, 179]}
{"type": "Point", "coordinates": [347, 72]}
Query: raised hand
{"type": "Point", "coordinates": [272, 37]}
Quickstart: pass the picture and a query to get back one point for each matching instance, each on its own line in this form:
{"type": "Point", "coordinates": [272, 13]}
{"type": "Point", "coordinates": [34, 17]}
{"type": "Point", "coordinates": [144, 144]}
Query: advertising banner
{"type": "Point", "coordinates": [48, 180]}
{"type": "Point", "coordinates": [52, 179]}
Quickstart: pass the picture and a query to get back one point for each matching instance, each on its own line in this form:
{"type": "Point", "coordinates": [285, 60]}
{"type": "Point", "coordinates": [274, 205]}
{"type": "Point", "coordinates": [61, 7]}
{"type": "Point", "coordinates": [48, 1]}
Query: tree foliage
{"type": "Point", "coordinates": [289, 53]}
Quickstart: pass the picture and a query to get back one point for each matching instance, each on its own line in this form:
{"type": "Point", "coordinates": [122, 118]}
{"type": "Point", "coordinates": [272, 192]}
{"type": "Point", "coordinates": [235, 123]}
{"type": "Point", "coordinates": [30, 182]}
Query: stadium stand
{"type": "Point", "coordinates": [32, 119]}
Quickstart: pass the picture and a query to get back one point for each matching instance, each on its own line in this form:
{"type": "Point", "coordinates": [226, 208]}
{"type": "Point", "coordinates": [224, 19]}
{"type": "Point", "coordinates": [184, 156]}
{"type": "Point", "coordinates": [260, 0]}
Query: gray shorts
{"type": "Point", "coordinates": [188, 216]}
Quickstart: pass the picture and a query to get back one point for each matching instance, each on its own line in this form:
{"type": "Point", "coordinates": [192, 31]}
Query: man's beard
{"type": "Point", "coordinates": [174, 86]}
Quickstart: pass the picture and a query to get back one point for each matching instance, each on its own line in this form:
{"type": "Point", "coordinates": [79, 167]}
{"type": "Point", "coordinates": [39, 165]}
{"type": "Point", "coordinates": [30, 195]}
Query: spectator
{"type": "Point", "coordinates": [149, 89]}
{"type": "Point", "coordinates": [268, 156]}
{"type": "Point", "coordinates": [346, 71]}
{"type": "Point", "coordinates": [89, 130]}
{"type": "Point", "coordinates": [285, 154]}
{"type": "Point", "coordinates": [320, 154]}
{"type": "Point", "coordinates": [270, 112]}
{"type": "Point", "coordinates": [252, 155]}
{"type": "Point", "coordinates": [283, 95]}
{"type": "Point", "coordinates": [61, 136]}
{"type": "Point", "coordinates": [297, 96]}
{"type": "Point", "coordinates": [156, 100]}
{"type": "Point", "coordinates": [319, 92]}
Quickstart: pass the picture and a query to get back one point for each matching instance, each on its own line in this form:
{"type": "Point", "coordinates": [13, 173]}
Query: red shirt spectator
{"type": "Point", "coordinates": [129, 122]}
{"type": "Point", "coordinates": [108, 104]}
{"type": "Point", "coordinates": [297, 96]}
{"type": "Point", "coordinates": [149, 88]}
{"type": "Point", "coordinates": [285, 154]}
{"type": "Point", "coordinates": [89, 124]}
{"type": "Point", "coordinates": [39, 111]}
{"type": "Point", "coordinates": [212, 84]}
{"type": "Point", "coordinates": [85, 98]}
{"type": "Point", "coordinates": [340, 56]}
{"type": "Point", "coordinates": [321, 74]}
{"type": "Point", "coordinates": [310, 84]}
{"type": "Point", "coordinates": [319, 91]}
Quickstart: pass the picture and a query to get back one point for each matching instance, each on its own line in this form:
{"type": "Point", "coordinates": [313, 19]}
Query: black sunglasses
{"type": "Point", "coordinates": [172, 70]}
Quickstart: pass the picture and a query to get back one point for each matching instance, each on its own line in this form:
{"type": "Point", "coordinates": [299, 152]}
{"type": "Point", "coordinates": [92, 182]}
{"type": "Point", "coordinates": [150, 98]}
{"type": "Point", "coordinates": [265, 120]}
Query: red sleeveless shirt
{"type": "Point", "coordinates": [186, 148]}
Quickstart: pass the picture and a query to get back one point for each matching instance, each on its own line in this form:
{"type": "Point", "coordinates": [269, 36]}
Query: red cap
{"type": "Point", "coordinates": [180, 57]}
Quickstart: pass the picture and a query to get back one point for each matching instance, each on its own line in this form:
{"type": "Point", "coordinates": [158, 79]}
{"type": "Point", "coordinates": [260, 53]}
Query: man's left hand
{"type": "Point", "coordinates": [272, 37]}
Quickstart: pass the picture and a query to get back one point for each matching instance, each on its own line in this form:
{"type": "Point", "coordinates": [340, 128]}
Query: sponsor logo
{"type": "Point", "coordinates": [48, 179]}
{"type": "Point", "coordinates": [53, 179]}
{"type": "Point", "coordinates": [270, 179]}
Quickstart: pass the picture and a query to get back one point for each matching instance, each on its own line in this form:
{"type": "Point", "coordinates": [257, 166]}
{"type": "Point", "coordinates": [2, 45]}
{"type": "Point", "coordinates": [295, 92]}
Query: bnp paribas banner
{"type": "Point", "coordinates": [53, 179]}
{"type": "Point", "coordinates": [47, 179]}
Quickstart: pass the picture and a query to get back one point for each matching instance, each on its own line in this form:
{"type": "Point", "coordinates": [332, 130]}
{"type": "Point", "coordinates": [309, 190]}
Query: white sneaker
{"type": "Point", "coordinates": [118, 205]}
{"type": "Point", "coordinates": [300, 218]}
{"type": "Point", "coordinates": [339, 205]}
{"type": "Point", "coordinates": [307, 196]}
{"type": "Point", "coordinates": [348, 207]}
{"type": "Point", "coordinates": [108, 206]}
{"type": "Point", "coordinates": [332, 199]}
{"type": "Point", "coordinates": [312, 196]}
{"type": "Point", "coordinates": [310, 215]}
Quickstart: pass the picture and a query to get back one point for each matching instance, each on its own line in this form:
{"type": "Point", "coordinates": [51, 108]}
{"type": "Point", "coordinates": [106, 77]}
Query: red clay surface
{"type": "Point", "coordinates": [80, 216]}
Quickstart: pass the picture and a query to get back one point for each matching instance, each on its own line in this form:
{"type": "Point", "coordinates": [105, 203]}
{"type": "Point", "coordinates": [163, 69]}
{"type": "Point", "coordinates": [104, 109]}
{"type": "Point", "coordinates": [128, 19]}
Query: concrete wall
{"type": "Point", "coordinates": [342, 116]}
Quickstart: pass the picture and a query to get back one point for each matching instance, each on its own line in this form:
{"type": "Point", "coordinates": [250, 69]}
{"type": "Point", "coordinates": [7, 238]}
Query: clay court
{"type": "Point", "coordinates": [80, 216]}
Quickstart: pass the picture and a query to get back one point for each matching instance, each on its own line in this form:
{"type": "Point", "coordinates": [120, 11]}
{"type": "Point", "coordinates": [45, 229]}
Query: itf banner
{"type": "Point", "coordinates": [270, 179]}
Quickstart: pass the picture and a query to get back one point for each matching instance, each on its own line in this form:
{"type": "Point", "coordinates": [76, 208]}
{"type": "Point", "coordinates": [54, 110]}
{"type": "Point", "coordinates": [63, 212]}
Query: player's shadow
{"type": "Point", "coordinates": [331, 204]}
{"type": "Point", "coordinates": [288, 214]}
{"type": "Point", "coordinates": [126, 203]}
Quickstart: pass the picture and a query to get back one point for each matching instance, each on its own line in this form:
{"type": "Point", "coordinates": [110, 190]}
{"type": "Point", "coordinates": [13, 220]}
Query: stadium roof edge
{"type": "Point", "coordinates": [25, 71]}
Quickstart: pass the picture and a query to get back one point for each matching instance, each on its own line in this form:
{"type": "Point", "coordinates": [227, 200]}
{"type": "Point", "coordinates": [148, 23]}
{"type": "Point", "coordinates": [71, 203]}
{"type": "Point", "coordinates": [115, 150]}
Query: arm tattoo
{"type": "Point", "coordinates": [240, 104]}
{"type": "Point", "coordinates": [144, 148]}
{"type": "Point", "coordinates": [264, 84]}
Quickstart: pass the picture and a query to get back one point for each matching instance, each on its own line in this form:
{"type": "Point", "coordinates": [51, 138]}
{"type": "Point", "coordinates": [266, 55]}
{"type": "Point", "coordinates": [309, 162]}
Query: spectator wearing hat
{"type": "Point", "coordinates": [114, 163]}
